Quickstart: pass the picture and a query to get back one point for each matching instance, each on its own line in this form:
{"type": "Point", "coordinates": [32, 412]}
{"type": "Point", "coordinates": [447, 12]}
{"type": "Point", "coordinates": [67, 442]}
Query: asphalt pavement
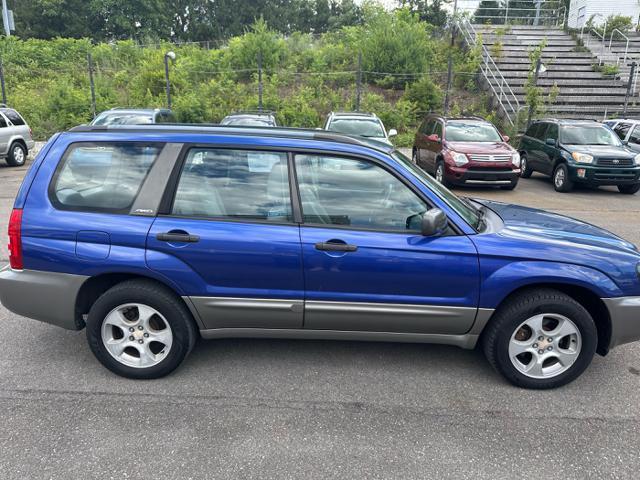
{"type": "Point", "coordinates": [311, 409]}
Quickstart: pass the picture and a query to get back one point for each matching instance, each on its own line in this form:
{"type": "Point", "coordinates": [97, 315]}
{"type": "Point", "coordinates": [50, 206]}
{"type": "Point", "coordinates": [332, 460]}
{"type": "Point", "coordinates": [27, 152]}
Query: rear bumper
{"type": "Point", "coordinates": [481, 176]}
{"type": "Point", "coordinates": [46, 296]}
{"type": "Point", "coordinates": [625, 319]}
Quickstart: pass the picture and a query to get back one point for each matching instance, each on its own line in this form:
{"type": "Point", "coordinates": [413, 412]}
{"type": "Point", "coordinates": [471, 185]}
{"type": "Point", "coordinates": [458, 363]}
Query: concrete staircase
{"type": "Point", "coordinates": [583, 92]}
{"type": "Point", "coordinates": [616, 52]}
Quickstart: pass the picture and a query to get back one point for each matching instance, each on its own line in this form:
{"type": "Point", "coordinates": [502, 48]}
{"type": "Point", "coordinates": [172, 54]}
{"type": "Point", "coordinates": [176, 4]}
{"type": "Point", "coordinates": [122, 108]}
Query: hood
{"type": "Point", "coordinates": [481, 147]}
{"type": "Point", "coordinates": [601, 151]}
{"type": "Point", "coordinates": [542, 225]}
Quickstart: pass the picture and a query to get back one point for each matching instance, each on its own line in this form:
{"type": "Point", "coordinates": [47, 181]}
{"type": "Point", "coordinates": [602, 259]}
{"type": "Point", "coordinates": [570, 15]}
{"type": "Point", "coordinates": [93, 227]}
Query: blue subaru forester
{"type": "Point", "coordinates": [153, 236]}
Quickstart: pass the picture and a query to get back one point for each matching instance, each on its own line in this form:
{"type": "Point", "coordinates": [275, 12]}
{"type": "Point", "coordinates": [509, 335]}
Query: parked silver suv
{"type": "Point", "coordinates": [15, 137]}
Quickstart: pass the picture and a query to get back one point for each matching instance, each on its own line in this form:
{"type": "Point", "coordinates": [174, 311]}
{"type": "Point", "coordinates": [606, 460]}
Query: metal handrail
{"type": "Point", "coordinates": [626, 49]}
{"type": "Point", "coordinates": [504, 92]}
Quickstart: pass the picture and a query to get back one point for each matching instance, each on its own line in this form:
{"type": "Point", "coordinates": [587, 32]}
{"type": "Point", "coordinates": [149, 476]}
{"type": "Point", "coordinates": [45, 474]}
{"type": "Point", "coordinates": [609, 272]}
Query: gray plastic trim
{"type": "Point", "coordinates": [625, 319]}
{"type": "Point", "coordinates": [49, 297]}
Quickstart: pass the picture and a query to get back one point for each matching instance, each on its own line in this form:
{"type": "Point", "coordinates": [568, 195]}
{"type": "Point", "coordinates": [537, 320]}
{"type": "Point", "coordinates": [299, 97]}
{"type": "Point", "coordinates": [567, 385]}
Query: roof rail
{"type": "Point", "coordinates": [253, 112]}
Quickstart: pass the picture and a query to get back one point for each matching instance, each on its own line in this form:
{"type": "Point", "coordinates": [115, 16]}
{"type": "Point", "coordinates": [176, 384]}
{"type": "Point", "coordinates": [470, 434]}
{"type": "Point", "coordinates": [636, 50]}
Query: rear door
{"type": "Point", "coordinates": [366, 266]}
{"type": "Point", "coordinates": [228, 237]}
{"type": "Point", "coordinates": [5, 133]}
{"type": "Point", "coordinates": [535, 150]}
{"type": "Point", "coordinates": [549, 153]}
{"type": "Point", "coordinates": [634, 139]}
{"type": "Point", "coordinates": [425, 160]}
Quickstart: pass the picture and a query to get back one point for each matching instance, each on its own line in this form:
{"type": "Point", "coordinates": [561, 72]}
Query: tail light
{"type": "Point", "coordinates": [30, 132]}
{"type": "Point", "coordinates": [15, 239]}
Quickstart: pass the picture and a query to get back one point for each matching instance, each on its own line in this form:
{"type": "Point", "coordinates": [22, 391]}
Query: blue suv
{"type": "Point", "coordinates": [153, 236]}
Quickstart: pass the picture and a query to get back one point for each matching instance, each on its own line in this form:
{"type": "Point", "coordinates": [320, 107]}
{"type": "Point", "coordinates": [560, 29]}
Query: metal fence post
{"type": "Point", "coordinates": [359, 82]}
{"type": "Point", "coordinates": [4, 92]}
{"type": "Point", "coordinates": [632, 74]}
{"type": "Point", "coordinates": [535, 85]}
{"type": "Point", "coordinates": [260, 81]}
{"type": "Point", "coordinates": [92, 85]}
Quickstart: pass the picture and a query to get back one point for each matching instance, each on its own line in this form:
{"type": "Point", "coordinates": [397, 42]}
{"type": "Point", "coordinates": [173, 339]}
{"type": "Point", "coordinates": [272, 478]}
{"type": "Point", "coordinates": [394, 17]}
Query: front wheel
{"type": "Point", "coordinates": [561, 181]}
{"type": "Point", "coordinates": [525, 170]}
{"type": "Point", "coordinates": [540, 339]}
{"type": "Point", "coordinates": [629, 189]}
{"type": "Point", "coordinates": [17, 155]}
{"type": "Point", "coordinates": [139, 329]}
{"type": "Point", "coordinates": [441, 176]}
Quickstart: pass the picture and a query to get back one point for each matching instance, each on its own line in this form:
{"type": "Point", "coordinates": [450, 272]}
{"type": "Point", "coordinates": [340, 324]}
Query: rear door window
{"type": "Point", "coordinates": [622, 129]}
{"type": "Point", "coordinates": [635, 135]}
{"type": "Point", "coordinates": [552, 132]}
{"type": "Point", "coordinates": [234, 184]}
{"type": "Point", "coordinates": [14, 117]}
{"type": "Point", "coordinates": [541, 131]}
{"type": "Point", "coordinates": [103, 177]}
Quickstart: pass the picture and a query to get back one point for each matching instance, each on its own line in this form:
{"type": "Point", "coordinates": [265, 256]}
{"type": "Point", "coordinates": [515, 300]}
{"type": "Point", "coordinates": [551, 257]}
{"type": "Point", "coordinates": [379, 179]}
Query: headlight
{"type": "Point", "coordinates": [582, 157]}
{"type": "Point", "coordinates": [515, 159]}
{"type": "Point", "coordinates": [459, 159]}
{"type": "Point", "coordinates": [638, 159]}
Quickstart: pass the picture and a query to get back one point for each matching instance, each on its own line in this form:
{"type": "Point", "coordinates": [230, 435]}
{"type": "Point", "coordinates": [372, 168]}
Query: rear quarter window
{"type": "Point", "coordinates": [103, 177]}
{"type": "Point", "coordinates": [14, 117]}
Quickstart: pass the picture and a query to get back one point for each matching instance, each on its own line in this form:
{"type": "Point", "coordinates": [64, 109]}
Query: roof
{"type": "Point", "coordinates": [568, 120]}
{"type": "Point", "coordinates": [353, 114]}
{"type": "Point", "coordinates": [150, 111]}
{"type": "Point", "coordinates": [280, 132]}
{"type": "Point", "coordinates": [252, 113]}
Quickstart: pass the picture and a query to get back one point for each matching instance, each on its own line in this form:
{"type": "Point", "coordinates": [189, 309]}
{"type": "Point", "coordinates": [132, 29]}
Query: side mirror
{"type": "Point", "coordinates": [392, 133]}
{"type": "Point", "coordinates": [434, 222]}
{"type": "Point", "coordinates": [433, 138]}
{"type": "Point", "coordinates": [506, 138]}
{"type": "Point", "coordinates": [551, 142]}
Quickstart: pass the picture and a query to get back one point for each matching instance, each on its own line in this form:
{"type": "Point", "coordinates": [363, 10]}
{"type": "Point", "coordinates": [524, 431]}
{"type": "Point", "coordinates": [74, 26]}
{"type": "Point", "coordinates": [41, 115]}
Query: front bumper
{"type": "Point", "coordinates": [595, 175]}
{"type": "Point", "coordinates": [624, 313]}
{"type": "Point", "coordinates": [46, 296]}
{"type": "Point", "coordinates": [482, 175]}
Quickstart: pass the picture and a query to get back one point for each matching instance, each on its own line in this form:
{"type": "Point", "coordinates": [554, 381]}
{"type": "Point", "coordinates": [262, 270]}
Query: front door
{"type": "Point", "coordinates": [229, 239]}
{"type": "Point", "coordinates": [366, 266]}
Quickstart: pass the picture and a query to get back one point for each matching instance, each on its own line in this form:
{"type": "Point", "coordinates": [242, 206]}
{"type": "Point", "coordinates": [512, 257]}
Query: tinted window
{"type": "Point", "coordinates": [541, 131]}
{"type": "Point", "coordinates": [355, 193]}
{"type": "Point", "coordinates": [428, 128]}
{"type": "Point", "coordinates": [552, 132]}
{"type": "Point", "coordinates": [3, 122]}
{"type": "Point", "coordinates": [14, 116]}
{"type": "Point", "coordinates": [123, 118]}
{"type": "Point", "coordinates": [438, 129]}
{"type": "Point", "coordinates": [531, 131]}
{"type": "Point", "coordinates": [235, 184]}
{"type": "Point", "coordinates": [635, 135]}
{"type": "Point", "coordinates": [364, 127]}
{"type": "Point", "coordinates": [622, 129]}
{"type": "Point", "coordinates": [105, 177]}
{"type": "Point", "coordinates": [164, 117]}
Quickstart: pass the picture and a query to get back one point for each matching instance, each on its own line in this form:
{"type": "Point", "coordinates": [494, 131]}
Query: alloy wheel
{"type": "Point", "coordinates": [136, 335]}
{"type": "Point", "coordinates": [559, 178]}
{"type": "Point", "coordinates": [440, 173]}
{"type": "Point", "coordinates": [545, 345]}
{"type": "Point", "coordinates": [18, 154]}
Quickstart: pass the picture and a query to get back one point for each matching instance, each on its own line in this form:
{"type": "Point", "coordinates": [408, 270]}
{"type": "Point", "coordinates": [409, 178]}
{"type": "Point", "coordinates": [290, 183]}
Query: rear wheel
{"type": "Point", "coordinates": [629, 189]}
{"type": "Point", "coordinates": [17, 154]}
{"type": "Point", "coordinates": [525, 170]}
{"type": "Point", "coordinates": [540, 339]}
{"type": "Point", "coordinates": [561, 180]}
{"type": "Point", "coordinates": [440, 174]}
{"type": "Point", "coordinates": [139, 329]}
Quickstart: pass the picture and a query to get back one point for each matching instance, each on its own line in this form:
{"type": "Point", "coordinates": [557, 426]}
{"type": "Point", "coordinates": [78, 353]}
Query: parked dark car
{"type": "Point", "coordinates": [134, 116]}
{"type": "Point", "coordinates": [250, 119]}
{"type": "Point", "coordinates": [579, 151]}
{"type": "Point", "coordinates": [180, 232]}
{"type": "Point", "coordinates": [466, 151]}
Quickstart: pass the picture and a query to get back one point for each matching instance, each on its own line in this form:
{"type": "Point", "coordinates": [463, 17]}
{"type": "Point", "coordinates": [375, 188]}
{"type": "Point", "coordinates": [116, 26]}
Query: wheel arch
{"type": "Point", "coordinates": [95, 286]}
{"type": "Point", "coordinates": [586, 297]}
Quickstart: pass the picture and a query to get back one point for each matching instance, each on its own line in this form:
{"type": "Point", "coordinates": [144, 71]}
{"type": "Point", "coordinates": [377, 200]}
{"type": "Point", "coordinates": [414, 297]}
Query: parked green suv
{"type": "Point", "coordinates": [579, 151]}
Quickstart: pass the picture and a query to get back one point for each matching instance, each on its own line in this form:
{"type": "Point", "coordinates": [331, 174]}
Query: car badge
{"type": "Point", "coordinates": [616, 161]}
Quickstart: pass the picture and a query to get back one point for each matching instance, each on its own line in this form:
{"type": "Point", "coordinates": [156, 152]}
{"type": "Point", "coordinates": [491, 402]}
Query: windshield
{"type": "Point", "coordinates": [247, 121]}
{"type": "Point", "coordinates": [459, 131]}
{"type": "Point", "coordinates": [588, 135]}
{"type": "Point", "coordinates": [364, 127]}
{"type": "Point", "coordinates": [123, 119]}
{"type": "Point", "coordinates": [462, 207]}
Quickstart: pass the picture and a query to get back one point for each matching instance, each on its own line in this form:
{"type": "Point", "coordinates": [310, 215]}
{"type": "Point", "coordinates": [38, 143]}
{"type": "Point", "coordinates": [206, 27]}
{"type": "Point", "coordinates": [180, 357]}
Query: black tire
{"type": "Point", "coordinates": [497, 335]}
{"type": "Point", "coordinates": [514, 184]}
{"type": "Point", "coordinates": [17, 155]}
{"type": "Point", "coordinates": [629, 189]}
{"type": "Point", "coordinates": [444, 181]}
{"type": "Point", "coordinates": [561, 181]}
{"type": "Point", "coordinates": [525, 169]}
{"type": "Point", "coordinates": [415, 156]}
{"type": "Point", "coordinates": [162, 299]}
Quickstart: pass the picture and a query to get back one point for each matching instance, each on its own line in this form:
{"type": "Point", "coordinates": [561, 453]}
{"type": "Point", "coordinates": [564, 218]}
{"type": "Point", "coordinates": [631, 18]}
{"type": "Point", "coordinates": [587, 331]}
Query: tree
{"type": "Point", "coordinates": [431, 11]}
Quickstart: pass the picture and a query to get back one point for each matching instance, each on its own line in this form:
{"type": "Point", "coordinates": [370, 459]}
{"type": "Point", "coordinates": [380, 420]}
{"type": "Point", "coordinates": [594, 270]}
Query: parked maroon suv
{"type": "Point", "coordinates": [466, 151]}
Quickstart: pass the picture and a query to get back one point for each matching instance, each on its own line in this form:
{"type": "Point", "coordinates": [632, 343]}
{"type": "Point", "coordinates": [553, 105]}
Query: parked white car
{"type": "Point", "coordinates": [628, 130]}
{"type": "Point", "coordinates": [358, 123]}
{"type": "Point", "coordinates": [16, 138]}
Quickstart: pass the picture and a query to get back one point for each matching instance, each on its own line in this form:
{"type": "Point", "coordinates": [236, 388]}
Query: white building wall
{"type": "Point", "coordinates": [581, 10]}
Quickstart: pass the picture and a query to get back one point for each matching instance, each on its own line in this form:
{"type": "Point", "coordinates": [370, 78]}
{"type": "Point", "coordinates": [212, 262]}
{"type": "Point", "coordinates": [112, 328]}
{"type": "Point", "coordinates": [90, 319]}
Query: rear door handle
{"type": "Point", "coordinates": [336, 247]}
{"type": "Point", "coordinates": [175, 237]}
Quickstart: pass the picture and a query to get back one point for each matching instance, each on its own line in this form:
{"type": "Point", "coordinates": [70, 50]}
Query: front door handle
{"type": "Point", "coordinates": [336, 247]}
{"type": "Point", "coordinates": [176, 237]}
